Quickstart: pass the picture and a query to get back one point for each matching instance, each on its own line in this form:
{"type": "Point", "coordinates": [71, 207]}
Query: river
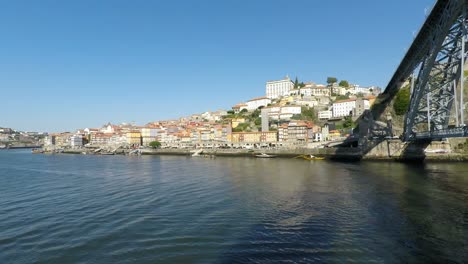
{"type": "Point", "coordinates": [170, 209]}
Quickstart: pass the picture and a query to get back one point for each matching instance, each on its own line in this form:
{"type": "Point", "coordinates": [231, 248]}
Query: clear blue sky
{"type": "Point", "coordinates": [76, 64]}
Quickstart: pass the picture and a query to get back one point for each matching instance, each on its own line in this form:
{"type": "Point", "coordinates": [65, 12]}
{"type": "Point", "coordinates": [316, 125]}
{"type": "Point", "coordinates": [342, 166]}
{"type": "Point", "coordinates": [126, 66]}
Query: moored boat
{"type": "Point", "coordinates": [37, 151]}
{"type": "Point", "coordinates": [310, 157]}
{"type": "Point", "coordinates": [264, 155]}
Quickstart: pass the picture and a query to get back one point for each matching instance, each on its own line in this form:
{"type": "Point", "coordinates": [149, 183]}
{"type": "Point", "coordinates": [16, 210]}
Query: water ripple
{"type": "Point", "coordinates": [90, 209]}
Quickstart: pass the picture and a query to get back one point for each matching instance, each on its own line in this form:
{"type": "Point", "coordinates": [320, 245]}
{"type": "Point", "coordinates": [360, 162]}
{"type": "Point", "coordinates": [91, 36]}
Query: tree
{"type": "Point", "coordinates": [344, 83]}
{"type": "Point", "coordinates": [348, 122]}
{"type": "Point", "coordinates": [308, 113]}
{"type": "Point", "coordinates": [296, 83]}
{"type": "Point", "coordinates": [258, 121]}
{"type": "Point", "coordinates": [402, 100]}
{"type": "Point", "coordinates": [155, 144]}
{"type": "Point", "coordinates": [331, 80]}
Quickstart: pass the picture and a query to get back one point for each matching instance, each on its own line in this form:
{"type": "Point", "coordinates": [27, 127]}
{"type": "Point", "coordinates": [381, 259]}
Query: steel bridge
{"type": "Point", "coordinates": [435, 66]}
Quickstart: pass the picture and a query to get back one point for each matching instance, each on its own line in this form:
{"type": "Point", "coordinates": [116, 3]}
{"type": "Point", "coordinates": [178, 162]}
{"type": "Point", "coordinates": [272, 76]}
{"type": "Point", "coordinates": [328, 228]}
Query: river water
{"type": "Point", "coordinates": [168, 209]}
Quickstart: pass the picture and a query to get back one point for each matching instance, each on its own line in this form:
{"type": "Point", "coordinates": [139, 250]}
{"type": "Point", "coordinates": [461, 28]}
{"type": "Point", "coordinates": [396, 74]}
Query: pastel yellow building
{"type": "Point", "coordinates": [254, 137]}
{"type": "Point", "coordinates": [134, 137]}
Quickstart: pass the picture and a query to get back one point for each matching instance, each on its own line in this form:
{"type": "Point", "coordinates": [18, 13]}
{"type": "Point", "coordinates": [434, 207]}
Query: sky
{"type": "Point", "coordinates": [66, 65]}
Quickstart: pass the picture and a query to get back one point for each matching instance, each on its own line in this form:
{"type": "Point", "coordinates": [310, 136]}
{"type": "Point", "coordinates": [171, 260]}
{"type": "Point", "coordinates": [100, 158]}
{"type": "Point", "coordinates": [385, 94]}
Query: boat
{"type": "Point", "coordinates": [197, 153]}
{"type": "Point", "coordinates": [310, 157]}
{"type": "Point", "coordinates": [264, 155]}
{"type": "Point", "coordinates": [37, 151]}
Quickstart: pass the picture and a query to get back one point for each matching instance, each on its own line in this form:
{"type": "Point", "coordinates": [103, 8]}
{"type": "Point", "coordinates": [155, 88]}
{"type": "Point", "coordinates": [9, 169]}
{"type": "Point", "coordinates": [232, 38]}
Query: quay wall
{"type": "Point", "coordinates": [392, 149]}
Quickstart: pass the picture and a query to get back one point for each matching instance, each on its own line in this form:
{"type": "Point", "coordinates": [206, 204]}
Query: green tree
{"type": "Point", "coordinates": [296, 83]}
{"type": "Point", "coordinates": [348, 122]}
{"type": "Point", "coordinates": [344, 83]}
{"type": "Point", "coordinates": [331, 80]}
{"type": "Point", "coordinates": [308, 113]}
{"type": "Point", "coordinates": [258, 121]}
{"type": "Point", "coordinates": [402, 100]}
{"type": "Point", "coordinates": [155, 144]}
{"type": "Point", "coordinates": [255, 113]}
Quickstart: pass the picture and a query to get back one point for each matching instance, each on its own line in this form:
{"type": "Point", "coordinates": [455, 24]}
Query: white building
{"type": "Point", "coordinates": [257, 102]}
{"type": "Point", "coordinates": [276, 112]}
{"type": "Point", "coordinates": [306, 91]}
{"type": "Point", "coordinates": [239, 107]}
{"type": "Point", "coordinates": [327, 114]}
{"type": "Point", "coordinates": [148, 134]}
{"type": "Point", "coordinates": [320, 90]}
{"type": "Point", "coordinates": [275, 89]}
{"type": "Point", "coordinates": [76, 141]}
{"type": "Point", "coordinates": [288, 111]}
{"type": "Point", "coordinates": [343, 107]}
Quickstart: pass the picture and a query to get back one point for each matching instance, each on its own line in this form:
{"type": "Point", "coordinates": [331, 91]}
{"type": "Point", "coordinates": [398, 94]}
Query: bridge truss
{"type": "Point", "coordinates": [436, 62]}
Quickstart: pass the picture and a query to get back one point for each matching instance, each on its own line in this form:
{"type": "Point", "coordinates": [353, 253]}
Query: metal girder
{"type": "Point", "coordinates": [440, 69]}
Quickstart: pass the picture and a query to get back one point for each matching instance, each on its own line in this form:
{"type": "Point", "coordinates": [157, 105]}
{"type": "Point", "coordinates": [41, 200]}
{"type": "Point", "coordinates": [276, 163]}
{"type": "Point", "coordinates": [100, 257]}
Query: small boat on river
{"type": "Point", "coordinates": [264, 155]}
{"type": "Point", "coordinates": [37, 151]}
{"type": "Point", "coordinates": [310, 157]}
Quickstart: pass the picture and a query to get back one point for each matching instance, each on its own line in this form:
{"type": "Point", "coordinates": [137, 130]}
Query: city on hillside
{"type": "Point", "coordinates": [291, 114]}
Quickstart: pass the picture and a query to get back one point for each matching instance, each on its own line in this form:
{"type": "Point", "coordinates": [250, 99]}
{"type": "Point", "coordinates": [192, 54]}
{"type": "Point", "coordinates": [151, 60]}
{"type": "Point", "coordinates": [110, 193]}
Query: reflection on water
{"type": "Point", "coordinates": [107, 209]}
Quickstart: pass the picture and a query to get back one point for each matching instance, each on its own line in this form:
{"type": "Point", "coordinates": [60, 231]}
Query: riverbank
{"type": "Point", "coordinates": [381, 150]}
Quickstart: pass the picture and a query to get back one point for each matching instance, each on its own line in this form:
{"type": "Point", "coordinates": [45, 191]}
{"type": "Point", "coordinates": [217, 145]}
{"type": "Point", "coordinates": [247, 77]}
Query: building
{"type": "Point", "coordinates": [254, 137]}
{"type": "Point", "coordinates": [297, 132]}
{"type": "Point", "coordinates": [76, 141]}
{"type": "Point", "coordinates": [343, 108]}
{"type": "Point", "coordinates": [362, 104]}
{"type": "Point", "coordinates": [134, 137]}
{"type": "Point", "coordinates": [49, 140]}
{"type": "Point", "coordinates": [327, 114]}
{"type": "Point", "coordinates": [288, 111]}
{"type": "Point", "coordinates": [275, 89]}
{"type": "Point", "coordinates": [239, 107]}
{"type": "Point", "coordinates": [265, 119]}
{"type": "Point", "coordinates": [257, 102]}
{"type": "Point", "coordinates": [277, 112]}
{"type": "Point", "coordinates": [283, 133]}
{"type": "Point", "coordinates": [148, 135]}
{"type": "Point", "coordinates": [100, 139]}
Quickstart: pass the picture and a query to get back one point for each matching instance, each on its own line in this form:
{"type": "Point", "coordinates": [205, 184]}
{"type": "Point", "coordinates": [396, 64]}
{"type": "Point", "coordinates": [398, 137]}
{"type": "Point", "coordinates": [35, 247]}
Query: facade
{"type": "Point", "coordinates": [265, 119]}
{"type": "Point", "coordinates": [76, 141]}
{"type": "Point", "coordinates": [283, 133]}
{"type": "Point", "coordinates": [134, 137]}
{"type": "Point", "coordinates": [343, 108]}
{"type": "Point", "coordinates": [254, 137]}
{"type": "Point", "coordinates": [297, 132]}
{"type": "Point", "coordinates": [118, 139]}
{"type": "Point", "coordinates": [49, 140]}
{"type": "Point", "coordinates": [148, 135]}
{"type": "Point", "coordinates": [257, 102]}
{"type": "Point", "coordinates": [320, 91]}
{"type": "Point", "coordinates": [100, 139]}
{"type": "Point", "coordinates": [288, 111]}
{"type": "Point", "coordinates": [327, 114]}
{"type": "Point", "coordinates": [362, 105]}
{"type": "Point", "coordinates": [239, 107]}
{"type": "Point", "coordinates": [275, 89]}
